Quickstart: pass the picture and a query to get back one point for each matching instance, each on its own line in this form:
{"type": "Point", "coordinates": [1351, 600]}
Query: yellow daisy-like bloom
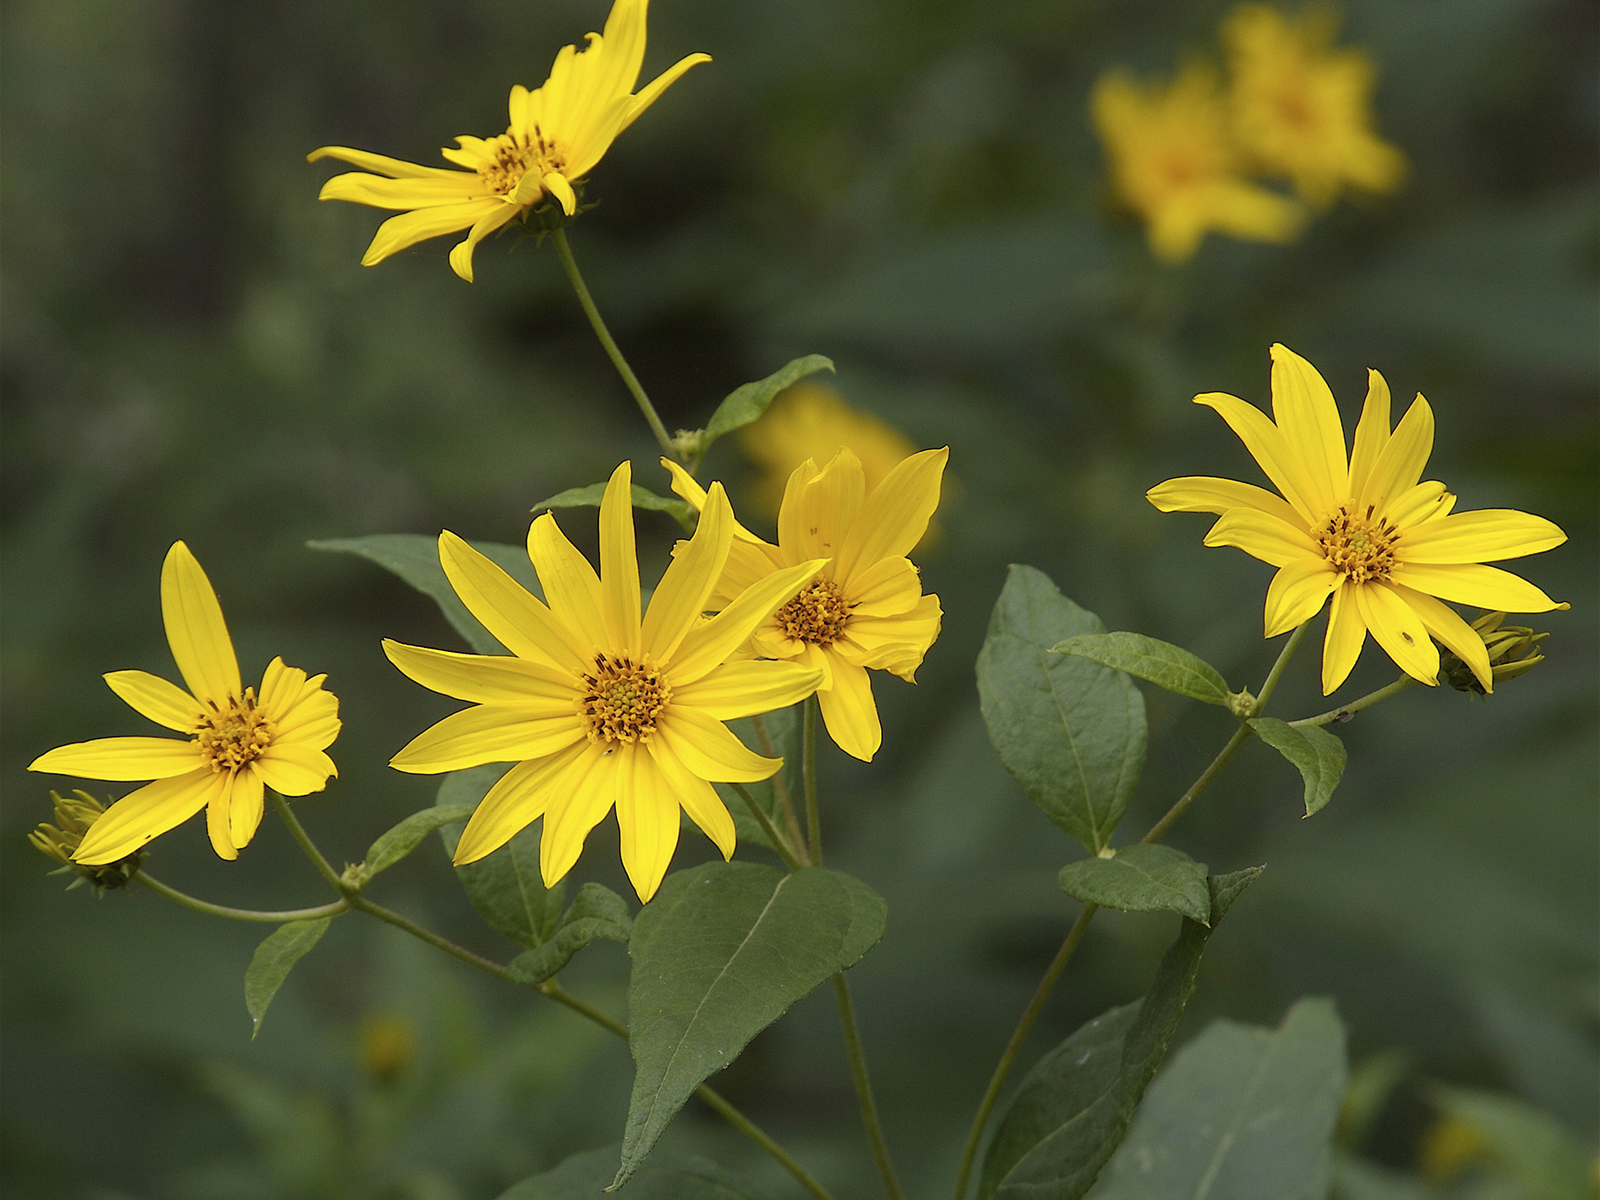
{"type": "Point", "coordinates": [557, 134]}
{"type": "Point", "coordinates": [598, 707]}
{"type": "Point", "coordinates": [865, 610]}
{"type": "Point", "coordinates": [1302, 108]}
{"type": "Point", "coordinates": [1366, 531]}
{"type": "Point", "coordinates": [1174, 163]}
{"type": "Point", "coordinates": [237, 740]}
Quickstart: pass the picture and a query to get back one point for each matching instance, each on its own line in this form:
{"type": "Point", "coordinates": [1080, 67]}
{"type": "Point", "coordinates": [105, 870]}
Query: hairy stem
{"type": "Point", "coordinates": [1349, 710]}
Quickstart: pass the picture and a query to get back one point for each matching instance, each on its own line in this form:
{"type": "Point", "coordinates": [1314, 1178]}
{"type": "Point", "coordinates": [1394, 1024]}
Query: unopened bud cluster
{"type": "Point", "coordinates": [1513, 651]}
{"type": "Point", "coordinates": [73, 816]}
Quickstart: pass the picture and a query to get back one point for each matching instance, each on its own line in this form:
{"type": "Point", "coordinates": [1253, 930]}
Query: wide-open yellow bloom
{"type": "Point", "coordinates": [1302, 108]}
{"type": "Point", "coordinates": [1174, 163]}
{"type": "Point", "coordinates": [598, 706]}
{"type": "Point", "coordinates": [1365, 530]}
{"type": "Point", "coordinates": [557, 134]}
{"type": "Point", "coordinates": [237, 740]}
{"type": "Point", "coordinates": [865, 610]}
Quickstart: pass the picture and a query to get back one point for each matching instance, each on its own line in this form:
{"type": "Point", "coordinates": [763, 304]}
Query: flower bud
{"type": "Point", "coordinates": [388, 1046]}
{"type": "Point", "coordinates": [73, 816]}
{"type": "Point", "coordinates": [1512, 651]}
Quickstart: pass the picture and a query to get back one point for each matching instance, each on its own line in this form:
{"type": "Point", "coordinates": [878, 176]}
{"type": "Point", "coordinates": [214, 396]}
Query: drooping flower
{"type": "Point", "coordinates": [1174, 163]}
{"type": "Point", "coordinates": [556, 136]}
{"type": "Point", "coordinates": [1302, 108]}
{"type": "Point", "coordinates": [237, 741]}
{"type": "Point", "coordinates": [1366, 530]}
{"type": "Point", "coordinates": [598, 707]}
{"type": "Point", "coordinates": [865, 610]}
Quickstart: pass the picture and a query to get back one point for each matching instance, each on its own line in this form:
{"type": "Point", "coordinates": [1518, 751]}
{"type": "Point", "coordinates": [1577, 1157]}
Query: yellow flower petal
{"type": "Point", "coordinates": [484, 678]}
{"type": "Point", "coordinates": [698, 798]}
{"type": "Point", "coordinates": [1308, 418]}
{"type": "Point", "coordinates": [648, 820]}
{"type": "Point", "coordinates": [1270, 450]}
{"type": "Point", "coordinates": [1202, 493]}
{"type": "Point", "coordinates": [145, 814]}
{"type": "Point", "coordinates": [742, 689]}
{"type": "Point", "coordinates": [1445, 626]}
{"type": "Point", "coordinates": [556, 184]}
{"type": "Point", "coordinates": [121, 758]}
{"type": "Point", "coordinates": [1483, 535]}
{"type": "Point", "coordinates": [571, 587]}
{"type": "Point", "coordinates": [896, 644]}
{"type": "Point", "coordinates": [1399, 630]}
{"type": "Point", "coordinates": [1372, 433]}
{"type": "Point", "coordinates": [814, 517]}
{"type": "Point", "coordinates": [581, 797]}
{"type": "Point", "coordinates": [1425, 502]}
{"type": "Point", "coordinates": [1345, 637]}
{"type": "Point", "coordinates": [461, 252]}
{"type": "Point", "coordinates": [151, 696]}
{"type": "Point", "coordinates": [1262, 536]}
{"type": "Point", "coordinates": [1470, 583]}
{"type": "Point", "coordinates": [686, 585]}
{"type": "Point", "coordinates": [887, 588]}
{"type": "Point", "coordinates": [294, 770]}
{"type": "Point", "coordinates": [619, 562]}
{"type": "Point", "coordinates": [516, 801]}
{"type": "Point", "coordinates": [1297, 592]}
{"type": "Point", "coordinates": [710, 749]}
{"type": "Point", "coordinates": [894, 518]}
{"type": "Point", "coordinates": [282, 688]}
{"type": "Point", "coordinates": [398, 233]}
{"type": "Point", "coordinates": [708, 645]}
{"type": "Point", "coordinates": [520, 621]}
{"type": "Point", "coordinates": [1402, 460]}
{"type": "Point", "coordinates": [382, 164]}
{"type": "Point", "coordinates": [217, 829]}
{"type": "Point", "coordinates": [245, 805]}
{"type": "Point", "coordinates": [488, 733]}
{"type": "Point", "coordinates": [195, 629]}
{"type": "Point", "coordinates": [849, 712]}
{"type": "Point", "coordinates": [695, 496]}
{"type": "Point", "coordinates": [652, 91]}
{"type": "Point", "coordinates": [449, 187]}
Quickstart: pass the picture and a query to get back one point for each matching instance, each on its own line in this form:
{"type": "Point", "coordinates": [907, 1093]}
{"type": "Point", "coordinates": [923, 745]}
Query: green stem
{"type": "Point", "coordinates": [568, 264]}
{"type": "Point", "coordinates": [809, 766]}
{"type": "Point", "coordinates": [863, 1082]}
{"type": "Point", "coordinates": [780, 788]}
{"type": "Point", "coordinates": [391, 917]}
{"type": "Point", "coordinates": [297, 831]}
{"type": "Point", "coordinates": [1284, 655]}
{"type": "Point", "coordinates": [774, 834]}
{"type": "Point", "coordinates": [1355, 706]}
{"type": "Point", "coordinates": [279, 917]}
{"type": "Point", "coordinates": [747, 1127]}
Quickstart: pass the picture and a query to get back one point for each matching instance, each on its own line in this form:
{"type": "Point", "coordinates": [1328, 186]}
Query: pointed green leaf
{"type": "Point", "coordinates": [591, 495]}
{"type": "Point", "coordinates": [400, 841]}
{"type": "Point", "coordinates": [1161, 663]}
{"type": "Point", "coordinates": [505, 887]}
{"type": "Point", "coordinates": [1242, 1112]}
{"type": "Point", "coordinates": [668, 1176]}
{"type": "Point", "coordinates": [1142, 878]}
{"type": "Point", "coordinates": [596, 913]}
{"type": "Point", "coordinates": [719, 954]}
{"type": "Point", "coordinates": [272, 961]}
{"type": "Point", "coordinates": [745, 404]}
{"type": "Point", "coordinates": [1070, 731]}
{"type": "Point", "coordinates": [1316, 753]}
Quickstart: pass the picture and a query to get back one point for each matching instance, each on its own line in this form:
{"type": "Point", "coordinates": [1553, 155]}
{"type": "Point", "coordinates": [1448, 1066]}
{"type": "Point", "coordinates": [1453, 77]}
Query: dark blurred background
{"type": "Point", "coordinates": [190, 349]}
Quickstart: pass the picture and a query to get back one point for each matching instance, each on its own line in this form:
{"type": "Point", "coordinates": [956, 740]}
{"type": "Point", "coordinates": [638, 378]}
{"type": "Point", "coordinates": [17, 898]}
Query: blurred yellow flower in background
{"type": "Point", "coordinates": [1303, 109]}
{"type": "Point", "coordinates": [556, 136]}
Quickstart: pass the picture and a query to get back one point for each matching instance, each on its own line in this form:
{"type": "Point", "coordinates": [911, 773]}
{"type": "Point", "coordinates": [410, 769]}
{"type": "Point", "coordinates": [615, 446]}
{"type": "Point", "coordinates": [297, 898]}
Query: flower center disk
{"type": "Point", "coordinates": [1357, 546]}
{"type": "Point", "coordinates": [233, 736]}
{"type": "Point", "coordinates": [818, 615]}
{"type": "Point", "coordinates": [622, 699]}
{"type": "Point", "coordinates": [514, 158]}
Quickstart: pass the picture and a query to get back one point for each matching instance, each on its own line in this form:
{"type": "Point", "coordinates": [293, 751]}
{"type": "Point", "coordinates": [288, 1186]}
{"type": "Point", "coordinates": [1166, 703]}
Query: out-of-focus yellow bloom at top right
{"type": "Point", "coordinates": [1302, 108]}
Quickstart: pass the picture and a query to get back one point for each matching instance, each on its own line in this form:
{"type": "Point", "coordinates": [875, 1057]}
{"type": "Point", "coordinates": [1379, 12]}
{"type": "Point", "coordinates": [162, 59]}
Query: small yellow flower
{"type": "Point", "coordinates": [1174, 163]}
{"type": "Point", "coordinates": [1302, 108]}
{"type": "Point", "coordinates": [1365, 530]}
{"type": "Point", "coordinates": [556, 136]}
{"type": "Point", "coordinates": [597, 706]}
{"type": "Point", "coordinates": [237, 740]}
{"type": "Point", "coordinates": [865, 610]}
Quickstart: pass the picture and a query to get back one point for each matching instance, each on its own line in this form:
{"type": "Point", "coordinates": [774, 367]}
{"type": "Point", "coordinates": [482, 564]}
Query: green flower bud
{"type": "Point", "coordinates": [73, 816]}
{"type": "Point", "coordinates": [1512, 652]}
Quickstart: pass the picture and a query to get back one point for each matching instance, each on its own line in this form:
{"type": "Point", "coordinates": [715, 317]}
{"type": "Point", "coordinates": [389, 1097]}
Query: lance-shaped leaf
{"type": "Point", "coordinates": [400, 841]}
{"type": "Point", "coordinates": [719, 954]}
{"type": "Point", "coordinates": [1142, 878]}
{"type": "Point", "coordinates": [591, 495]}
{"type": "Point", "coordinates": [745, 404]}
{"type": "Point", "coordinates": [415, 558]}
{"type": "Point", "coordinates": [596, 913]}
{"type": "Point", "coordinates": [1241, 1112]}
{"type": "Point", "coordinates": [1070, 731]}
{"type": "Point", "coordinates": [1161, 663]}
{"type": "Point", "coordinates": [272, 961]}
{"type": "Point", "coordinates": [1074, 1106]}
{"type": "Point", "coordinates": [668, 1176]}
{"type": "Point", "coordinates": [505, 887]}
{"type": "Point", "coordinates": [1316, 753]}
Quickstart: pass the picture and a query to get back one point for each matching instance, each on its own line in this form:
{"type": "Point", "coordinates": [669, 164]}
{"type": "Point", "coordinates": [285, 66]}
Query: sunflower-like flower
{"type": "Point", "coordinates": [1174, 163]}
{"type": "Point", "coordinates": [865, 609]}
{"type": "Point", "coordinates": [556, 136]}
{"type": "Point", "coordinates": [1302, 108]}
{"type": "Point", "coordinates": [1367, 530]}
{"type": "Point", "coordinates": [598, 707]}
{"type": "Point", "coordinates": [237, 740]}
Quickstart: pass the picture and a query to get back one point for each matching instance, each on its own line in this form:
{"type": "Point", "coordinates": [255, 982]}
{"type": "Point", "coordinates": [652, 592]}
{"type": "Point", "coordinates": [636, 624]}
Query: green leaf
{"type": "Point", "coordinates": [721, 953]}
{"type": "Point", "coordinates": [745, 404]}
{"type": "Point", "coordinates": [1142, 878]}
{"type": "Point", "coordinates": [591, 495]}
{"type": "Point", "coordinates": [1070, 731]}
{"type": "Point", "coordinates": [400, 841]}
{"type": "Point", "coordinates": [1161, 663]}
{"type": "Point", "coordinates": [596, 913]}
{"type": "Point", "coordinates": [669, 1176]}
{"type": "Point", "coordinates": [1316, 753]}
{"type": "Point", "coordinates": [1242, 1112]}
{"type": "Point", "coordinates": [1074, 1106]}
{"type": "Point", "coordinates": [415, 558]}
{"type": "Point", "coordinates": [783, 733]}
{"type": "Point", "coordinates": [271, 963]}
{"type": "Point", "coordinates": [505, 887]}
{"type": "Point", "coordinates": [1526, 1147]}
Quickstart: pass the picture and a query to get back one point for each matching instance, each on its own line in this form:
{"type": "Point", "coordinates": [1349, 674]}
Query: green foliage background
{"type": "Point", "coordinates": [190, 349]}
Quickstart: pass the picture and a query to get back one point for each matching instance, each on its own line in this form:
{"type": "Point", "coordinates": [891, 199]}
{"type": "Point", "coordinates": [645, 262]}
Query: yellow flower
{"type": "Point", "coordinates": [557, 134]}
{"type": "Point", "coordinates": [1174, 163]}
{"type": "Point", "coordinates": [1365, 531]}
{"type": "Point", "coordinates": [1303, 109]}
{"type": "Point", "coordinates": [237, 740]}
{"type": "Point", "coordinates": [865, 610]}
{"type": "Point", "coordinates": [596, 706]}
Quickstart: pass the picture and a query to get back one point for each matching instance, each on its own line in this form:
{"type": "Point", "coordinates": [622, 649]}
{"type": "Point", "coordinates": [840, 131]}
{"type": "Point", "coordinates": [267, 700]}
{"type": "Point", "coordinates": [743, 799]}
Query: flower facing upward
{"type": "Point", "coordinates": [556, 135]}
{"type": "Point", "coordinates": [1366, 531]}
{"type": "Point", "coordinates": [865, 609]}
{"type": "Point", "coordinates": [1174, 163]}
{"type": "Point", "coordinates": [1304, 109]}
{"type": "Point", "coordinates": [237, 740]}
{"type": "Point", "coordinates": [598, 707]}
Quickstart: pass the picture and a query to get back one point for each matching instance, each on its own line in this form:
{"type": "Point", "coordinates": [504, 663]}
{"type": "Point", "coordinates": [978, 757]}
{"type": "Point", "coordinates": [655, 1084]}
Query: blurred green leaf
{"type": "Point", "coordinates": [272, 961]}
{"type": "Point", "coordinates": [1161, 663]}
{"type": "Point", "coordinates": [668, 1176]}
{"type": "Point", "coordinates": [400, 841]}
{"type": "Point", "coordinates": [596, 913]}
{"type": "Point", "coordinates": [1529, 1148]}
{"type": "Point", "coordinates": [590, 495]}
{"type": "Point", "coordinates": [1315, 753]}
{"type": "Point", "coordinates": [506, 887]}
{"type": "Point", "coordinates": [748, 402]}
{"type": "Point", "coordinates": [783, 738]}
{"type": "Point", "coordinates": [1142, 878]}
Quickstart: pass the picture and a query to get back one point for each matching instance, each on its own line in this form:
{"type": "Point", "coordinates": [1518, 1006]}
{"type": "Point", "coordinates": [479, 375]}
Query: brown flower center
{"type": "Point", "coordinates": [514, 158]}
{"type": "Point", "coordinates": [622, 699]}
{"type": "Point", "coordinates": [1359, 547]}
{"type": "Point", "coordinates": [818, 615]}
{"type": "Point", "coordinates": [233, 736]}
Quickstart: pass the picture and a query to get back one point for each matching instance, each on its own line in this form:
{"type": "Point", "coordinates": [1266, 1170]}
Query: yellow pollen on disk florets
{"type": "Point", "coordinates": [514, 158]}
{"type": "Point", "coordinates": [1357, 545]}
{"type": "Point", "coordinates": [622, 699]}
{"type": "Point", "coordinates": [818, 615]}
{"type": "Point", "coordinates": [234, 735]}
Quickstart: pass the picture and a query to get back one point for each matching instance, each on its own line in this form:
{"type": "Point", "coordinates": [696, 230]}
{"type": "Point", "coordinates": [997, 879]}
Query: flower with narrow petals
{"type": "Point", "coordinates": [1302, 108]}
{"type": "Point", "coordinates": [1367, 530]}
{"type": "Point", "coordinates": [556, 136]}
{"type": "Point", "coordinates": [237, 741]}
{"type": "Point", "coordinates": [865, 610]}
{"type": "Point", "coordinates": [597, 706]}
{"type": "Point", "coordinates": [1174, 163]}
